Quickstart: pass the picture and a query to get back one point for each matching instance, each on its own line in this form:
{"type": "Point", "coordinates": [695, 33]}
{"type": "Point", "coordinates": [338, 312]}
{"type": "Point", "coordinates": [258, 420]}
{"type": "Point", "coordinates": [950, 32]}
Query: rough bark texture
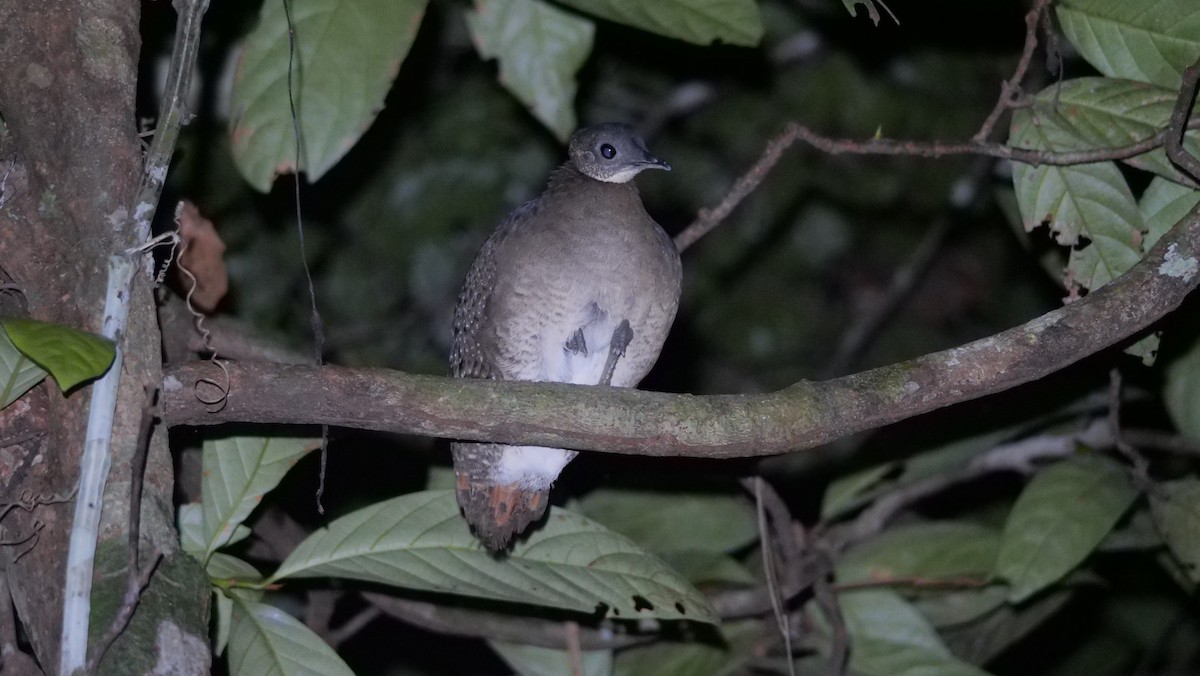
{"type": "Point", "coordinates": [67, 84]}
{"type": "Point", "coordinates": [647, 423]}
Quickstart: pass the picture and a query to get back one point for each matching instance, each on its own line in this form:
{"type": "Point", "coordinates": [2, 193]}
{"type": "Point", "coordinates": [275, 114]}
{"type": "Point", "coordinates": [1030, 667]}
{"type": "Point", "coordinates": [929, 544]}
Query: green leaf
{"type": "Point", "coordinates": [265, 641]}
{"type": "Point", "coordinates": [711, 658]}
{"type": "Point", "coordinates": [540, 49]}
{"type": "Point", "coordinates": [1181, 393]}
{"type": "Point", "coordinates": [937, 549]}
{"type": "Point", "coordinates": [852, 491]}
{"type": "Point", "coordinates": [1060, 517]}
{"type": "Point", "coordinates": [222, 618]}
{"type": "Point", "coordinates": [736, 22]}
{"type": "Point", "coordinates": [347, 54]}
{"type": "Point", "coordinates": [652, 519]}
{"type": "Point", "coordinates": [191, 530]}
{"type": "Point", "coordinates": [1149, 40]}
{"type": "Point", "coordinates": [420, 541]}
{"type": "Point", "coordinates": [225, 567]}
{"type": "Point", "coordinates": [983, 639]}
{"type": "Point", "coordinates": [530, 660]}
{"type": "Point", "coordinates": [1163, 204]}
{"type": "Point", "coordinates": [190, 521]}
{"type": "Point", "coordinates": [708, 568]}
{"type": "Point", "coordinates": [70, 355]}
{"type": "Point", "coordinates": [17, 373]}
{"type": "Point", "coordinates": [237, 472]}
{"type": "Point", "coordinates": [1097, 112]}
{"type": "Point", "coordinates": [1176, 509]}
{"type": "Point", "coordinates": [888, 637]}
{"type": "Point", "coordinates": [952, 608]}
{"type": "Point", "coordinates": [855, 490]}
{"type": "Point", "coordinates": [1089, 201]}
{"type": "Point", "coordinates": [869, 5]}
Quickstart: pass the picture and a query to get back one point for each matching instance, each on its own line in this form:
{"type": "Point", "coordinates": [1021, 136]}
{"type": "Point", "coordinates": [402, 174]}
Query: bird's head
{"type": "Point", "coordinates": [611, 152]}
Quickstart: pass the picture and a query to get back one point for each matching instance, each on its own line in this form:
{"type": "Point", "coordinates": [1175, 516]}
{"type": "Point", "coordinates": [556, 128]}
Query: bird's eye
{"type": "Point", "coordinates": [608, 151]}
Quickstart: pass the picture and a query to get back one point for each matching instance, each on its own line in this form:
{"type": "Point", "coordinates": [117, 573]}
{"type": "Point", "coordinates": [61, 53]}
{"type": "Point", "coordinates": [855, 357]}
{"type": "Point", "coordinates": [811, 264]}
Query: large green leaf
{"type": "Point", "coordinates": [703, 567]}
{"type": "Point", "coordinates": [531, 660]}
{"type": "Point", "coordinates": [1089, 201]}
{"type": "Point", "coordinates": [938, 549]}
{"type": "Point", "coordinates": [888, 637]}
{"type": "Point", "coordinates": [265, 641]}
{"type": "Point", "coordinates": [238, 471]}
{"type": "Point", "coordinates": [653, 519]}
{"type": "Point", "coordinates": [420, 541]}
{"type": "Point", "coordinates": [1163, 204]}
{"type": "Point", "coordinates": [702, 22]}
{"type": "Point", "coordinates": [1060, 517]}
{"type": "Point", "coordinates": [17, 373]}
{"type": "Point", "coordinates": [1176, 509]}
{"type": "Point", "coordinates": [348, 52]}
{"type": "Point", "coordinates": [70, 355]}
{"type": "Point", "coordinates": [540, 49]}
{"type": "Point", "coordinates": [1147, 40]}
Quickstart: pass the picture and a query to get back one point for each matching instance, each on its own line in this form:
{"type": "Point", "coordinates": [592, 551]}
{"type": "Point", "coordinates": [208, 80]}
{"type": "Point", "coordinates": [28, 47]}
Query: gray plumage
{"type": "Point", "coordinates": [543, 301]}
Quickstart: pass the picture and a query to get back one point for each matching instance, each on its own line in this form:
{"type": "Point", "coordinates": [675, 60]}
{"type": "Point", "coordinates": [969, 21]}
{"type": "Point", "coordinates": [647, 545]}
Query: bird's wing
{"type": "Point", "coordinates": [474, 352]}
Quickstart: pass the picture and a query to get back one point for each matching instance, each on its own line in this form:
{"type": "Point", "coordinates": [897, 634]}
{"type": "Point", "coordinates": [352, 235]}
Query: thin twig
{"type": "Point", "coordinates": [1010, 88]}
{"type": "Point", "coordinates": [1141, 467]}
{"type": "Point", "coordinates": [755, 484]}
{"type": "Point", "coordinates": [839, 648]}
{"type": "Point", "coordinates": [574, 651]}
{"type": "Point", "coordinates": [709, 218]}
{"type": "Point", "coordinates": [353, 625]}
{"type": "Point", "coordinates": [1179, 122]}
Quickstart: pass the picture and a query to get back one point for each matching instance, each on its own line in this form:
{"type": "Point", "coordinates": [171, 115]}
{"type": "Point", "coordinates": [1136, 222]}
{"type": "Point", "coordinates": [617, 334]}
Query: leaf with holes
{"type": "Point", "coordinates": [17, 373]}
{"type": "Point", "coordinates": [1088, 207]}
{"type": "Point", "coordinates": [1176, 509]}
{"type": "Point", "coordinates": [70, 355]}
{"type": "Point", "coordinates": [1058, 520]}
{"type": "Point", "coordinates": [265, 640]}
{"type": "Point", "coordinates": [420, 541]}
{"type": "Point", "coordinates": [540, 48]}
{"type": "Point", "coordinates": [238, 471]}
{"type": "Point", "coordinates": [347, 54]}
{"type": "Point", "coordinates": [702, 22]}
{"type": "Point", "coordinates": [1149, 40]}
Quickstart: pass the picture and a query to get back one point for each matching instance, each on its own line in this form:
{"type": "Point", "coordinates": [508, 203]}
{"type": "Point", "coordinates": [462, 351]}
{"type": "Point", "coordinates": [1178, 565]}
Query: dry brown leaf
{"type": "Point", "coordinates": [203, 256]}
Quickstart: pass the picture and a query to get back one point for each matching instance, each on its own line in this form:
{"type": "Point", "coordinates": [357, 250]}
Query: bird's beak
{"type": "Point", "coordinates": [652, 162]}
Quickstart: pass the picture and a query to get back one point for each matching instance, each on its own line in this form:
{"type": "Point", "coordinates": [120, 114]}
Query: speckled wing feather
{"type": "Point", "coordinates": [495, 513]}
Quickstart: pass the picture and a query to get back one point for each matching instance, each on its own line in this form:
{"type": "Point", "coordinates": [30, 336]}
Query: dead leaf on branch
{"type": "Point", "coordinates": [203, 255]}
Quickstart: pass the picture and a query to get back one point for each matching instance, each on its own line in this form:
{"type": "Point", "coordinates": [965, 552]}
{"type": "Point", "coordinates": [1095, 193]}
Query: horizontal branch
{"type": "Point", "coordinates": [803, 415]}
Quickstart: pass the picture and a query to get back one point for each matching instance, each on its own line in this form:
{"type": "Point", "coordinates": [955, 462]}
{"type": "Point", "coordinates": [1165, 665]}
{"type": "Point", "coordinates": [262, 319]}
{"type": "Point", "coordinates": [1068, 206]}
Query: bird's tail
{"type": "Point", "coordinates": [497, 514]}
